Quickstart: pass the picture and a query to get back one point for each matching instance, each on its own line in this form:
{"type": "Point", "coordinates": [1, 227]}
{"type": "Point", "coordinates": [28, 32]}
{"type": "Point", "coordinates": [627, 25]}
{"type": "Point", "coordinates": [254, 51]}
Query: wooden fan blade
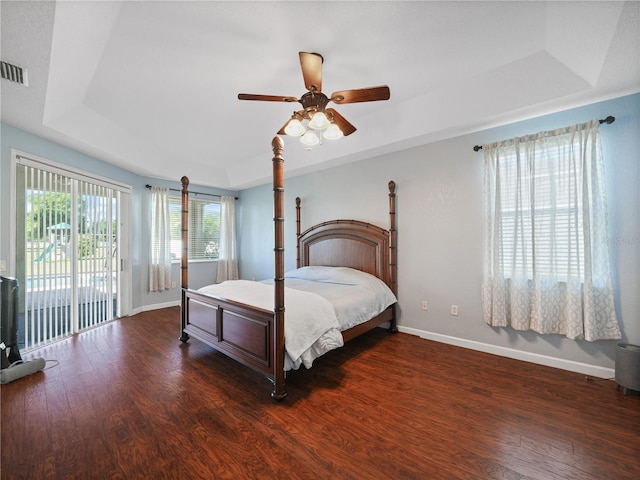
{"type": "Point", "coordinates": [372, 94]}
{"type": "Point", "coordinates": [266, 98]}
{"type": "Point", "coordinates": [343, 124]}
{"type": "Point", "coordinates": [311, 64]}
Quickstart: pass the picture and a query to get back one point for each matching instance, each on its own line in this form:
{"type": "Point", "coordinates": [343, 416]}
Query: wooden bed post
{"type": "Point", "coordinates": [393, 327]}
{"type": "Point", "coordinates": [279, 389]}
{"type": "Point", "coordinates": [184, 259]}
{"type": "Point", "coordinates": [298, 232]}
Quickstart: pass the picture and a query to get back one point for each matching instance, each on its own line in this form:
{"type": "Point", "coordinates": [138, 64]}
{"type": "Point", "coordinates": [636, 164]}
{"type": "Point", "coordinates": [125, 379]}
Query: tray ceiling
{"type": "Point", "coordinates": [152, 86]}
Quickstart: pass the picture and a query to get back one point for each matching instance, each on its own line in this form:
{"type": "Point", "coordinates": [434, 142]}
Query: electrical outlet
{"type": "Point", "coordinates": [3, 265]}
{"type": "Point", "coordinates": [424, 305]}
{"type": "Point", "coordinates": [173, 285]}
{"type": "Point", "coordinates": [454, 309]}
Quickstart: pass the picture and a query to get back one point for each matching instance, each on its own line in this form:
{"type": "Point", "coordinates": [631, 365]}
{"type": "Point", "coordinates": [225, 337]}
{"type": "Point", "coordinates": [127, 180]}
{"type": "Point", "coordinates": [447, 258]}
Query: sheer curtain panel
{"type": "Point", "coordinates": [227, 259]}
{"type": "Point", "coordinates": [160, 248]}
{"type": "Point", "coordinates": [546, 262]}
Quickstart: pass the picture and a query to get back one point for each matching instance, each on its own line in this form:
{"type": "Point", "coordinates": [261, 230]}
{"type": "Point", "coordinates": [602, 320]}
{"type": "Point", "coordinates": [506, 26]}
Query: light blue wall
{"type": "Point", "coordinates": [440, 220]}
{"type": "Point", "coordinates": [200, 273]}
{"type": "Point", "coordinates": [439, 205]}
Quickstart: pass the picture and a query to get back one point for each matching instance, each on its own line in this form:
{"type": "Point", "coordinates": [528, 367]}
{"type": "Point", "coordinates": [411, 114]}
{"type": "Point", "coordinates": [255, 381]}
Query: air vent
{"type": "Point", "coordinates": [13, 73]}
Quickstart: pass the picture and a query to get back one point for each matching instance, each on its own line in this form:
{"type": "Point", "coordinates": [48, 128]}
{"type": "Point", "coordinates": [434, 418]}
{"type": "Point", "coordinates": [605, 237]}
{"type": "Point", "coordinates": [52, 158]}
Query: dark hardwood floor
{"type": "Point", "coordinates": [128, 400]}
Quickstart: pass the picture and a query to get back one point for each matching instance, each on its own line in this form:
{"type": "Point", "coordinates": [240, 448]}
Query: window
{"type": "Point", "coordinates": [204, 229]}
{"type": "Point", "coordinates": [542, 218]}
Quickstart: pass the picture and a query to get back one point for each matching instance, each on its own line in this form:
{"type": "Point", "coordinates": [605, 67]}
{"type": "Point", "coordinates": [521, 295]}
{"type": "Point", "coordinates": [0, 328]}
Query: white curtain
{"type": "Point", "coordinates": [546, 262]}
{"type": "Point", "coordinates": [227, 259]}
{"type": "Point", "coordinates": [160, 241]}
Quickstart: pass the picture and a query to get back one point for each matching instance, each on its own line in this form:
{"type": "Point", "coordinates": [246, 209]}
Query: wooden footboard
{"type": "Point", "coordinates": [243, 332]}
{"type": "Point", "coordinates": [250, 335]}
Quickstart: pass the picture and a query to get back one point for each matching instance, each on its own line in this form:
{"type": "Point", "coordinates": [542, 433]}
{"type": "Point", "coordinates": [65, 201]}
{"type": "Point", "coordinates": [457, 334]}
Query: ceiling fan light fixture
{"type": "Point", "coordinates": [309, 139]}
{"type": "Point", "coordinates": [333, 132]}
{"type": "Point", "coordinates": [294, 128]}
{"type": "Point", "coordinates": [319, 121]}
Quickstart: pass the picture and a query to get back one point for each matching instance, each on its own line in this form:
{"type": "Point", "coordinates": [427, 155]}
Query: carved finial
{"type": "Point", "coordinates": [278, 146]}
{"type": "Point", "coordinates": [185, 183]}
{"type": "Point", "coordinates": [297, 201]}
{"type": "Point", "coordinates": [392, 187]}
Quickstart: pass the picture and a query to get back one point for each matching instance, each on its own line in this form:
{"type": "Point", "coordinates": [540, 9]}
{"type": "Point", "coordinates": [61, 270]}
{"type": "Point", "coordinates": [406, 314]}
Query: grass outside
{"type": "Point", "coordinates": [43, 260]}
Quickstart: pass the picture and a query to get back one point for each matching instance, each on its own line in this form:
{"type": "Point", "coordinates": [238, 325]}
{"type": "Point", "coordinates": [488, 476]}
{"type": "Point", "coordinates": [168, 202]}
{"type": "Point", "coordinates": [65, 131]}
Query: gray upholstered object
{"type": "Point", "coordinates": [628, 366]}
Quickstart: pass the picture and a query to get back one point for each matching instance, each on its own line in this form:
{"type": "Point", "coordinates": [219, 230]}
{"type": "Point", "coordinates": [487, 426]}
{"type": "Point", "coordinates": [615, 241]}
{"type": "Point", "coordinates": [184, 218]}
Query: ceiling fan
{"type": "Point", "coordinates": [315, 113]}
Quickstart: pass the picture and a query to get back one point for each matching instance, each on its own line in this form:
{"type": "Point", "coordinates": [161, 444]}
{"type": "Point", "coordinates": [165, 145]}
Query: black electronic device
{"type": "Point", "coordinates": [13, 367]}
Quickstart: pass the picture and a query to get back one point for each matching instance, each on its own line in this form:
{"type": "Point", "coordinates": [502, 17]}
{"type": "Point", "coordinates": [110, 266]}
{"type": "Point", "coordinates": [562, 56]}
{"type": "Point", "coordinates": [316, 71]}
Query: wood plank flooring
{"type": "Point", "coordinates": [128, 400]}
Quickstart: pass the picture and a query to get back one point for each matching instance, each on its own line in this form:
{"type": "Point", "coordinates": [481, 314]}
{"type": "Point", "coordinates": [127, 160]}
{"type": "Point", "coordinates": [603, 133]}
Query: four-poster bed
{"type": "Point", "coordinates": [255, 336]}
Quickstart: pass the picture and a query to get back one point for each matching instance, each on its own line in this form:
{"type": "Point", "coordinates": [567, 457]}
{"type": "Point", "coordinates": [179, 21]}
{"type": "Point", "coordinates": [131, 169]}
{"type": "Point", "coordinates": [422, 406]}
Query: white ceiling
{"type": "Point", "coordinates": [152, 86]}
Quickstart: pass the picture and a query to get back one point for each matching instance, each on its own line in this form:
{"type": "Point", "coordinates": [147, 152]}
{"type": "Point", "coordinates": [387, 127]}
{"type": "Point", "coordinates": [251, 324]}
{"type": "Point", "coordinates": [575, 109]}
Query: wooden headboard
{"type": "Point", "coordinates": [351, 243]}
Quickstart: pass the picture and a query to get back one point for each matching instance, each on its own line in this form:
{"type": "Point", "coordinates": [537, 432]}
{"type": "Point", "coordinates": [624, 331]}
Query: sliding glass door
{"type": "Point", "coordinates": [68, 252]}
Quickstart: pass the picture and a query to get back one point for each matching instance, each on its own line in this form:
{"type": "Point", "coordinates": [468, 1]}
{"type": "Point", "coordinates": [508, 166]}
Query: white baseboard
{"type": "Point", "coordinates": [155, 306]}
{"type": "Point", "coordinates": [583, 368]}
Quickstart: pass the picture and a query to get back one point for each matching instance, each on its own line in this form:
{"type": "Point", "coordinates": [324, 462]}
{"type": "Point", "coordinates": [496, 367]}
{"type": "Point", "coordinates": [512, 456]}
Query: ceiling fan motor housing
{"type": "Point", "coordinates": [314, 101]}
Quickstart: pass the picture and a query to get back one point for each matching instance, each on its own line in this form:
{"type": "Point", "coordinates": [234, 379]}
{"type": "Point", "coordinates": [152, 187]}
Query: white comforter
{"type": "Point", "coordinates": [356, 296]}
{"type": "Point", "coordinates": [319, 303]}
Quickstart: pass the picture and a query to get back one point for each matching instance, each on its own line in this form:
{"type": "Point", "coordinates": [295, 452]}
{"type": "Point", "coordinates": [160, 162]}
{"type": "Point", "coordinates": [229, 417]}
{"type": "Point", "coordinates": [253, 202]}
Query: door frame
{"type": "Point", "coordinates": [124, 210]}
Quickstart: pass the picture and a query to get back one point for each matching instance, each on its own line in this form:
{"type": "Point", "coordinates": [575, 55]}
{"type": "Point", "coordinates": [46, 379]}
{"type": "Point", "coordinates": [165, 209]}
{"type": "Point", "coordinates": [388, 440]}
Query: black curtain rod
{"type": "Point", "coordinates": [195, 193]}
{"type": "Point", "coordinates": [609, 120]}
